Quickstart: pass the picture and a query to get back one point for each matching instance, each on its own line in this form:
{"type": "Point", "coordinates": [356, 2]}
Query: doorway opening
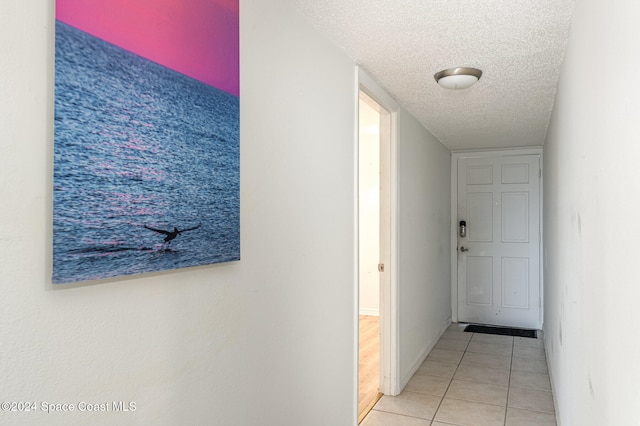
{"type": "Point", "coordinates": [371, 96]}
{"type": "Point", "coordinates": [373, 244]}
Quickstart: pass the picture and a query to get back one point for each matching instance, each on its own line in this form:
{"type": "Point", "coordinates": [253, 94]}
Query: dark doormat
{"type": "Point", "coordinates": [504, 331]}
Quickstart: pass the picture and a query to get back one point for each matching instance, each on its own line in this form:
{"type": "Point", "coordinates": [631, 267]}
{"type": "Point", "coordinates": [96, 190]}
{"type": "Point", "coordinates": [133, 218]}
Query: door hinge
{"type": "Point", "coordinates": [380, 267]}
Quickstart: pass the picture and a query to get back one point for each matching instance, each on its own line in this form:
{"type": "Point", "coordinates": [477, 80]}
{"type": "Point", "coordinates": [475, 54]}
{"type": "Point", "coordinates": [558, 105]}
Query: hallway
{"type": "Point", "coordinates": [472, 379]}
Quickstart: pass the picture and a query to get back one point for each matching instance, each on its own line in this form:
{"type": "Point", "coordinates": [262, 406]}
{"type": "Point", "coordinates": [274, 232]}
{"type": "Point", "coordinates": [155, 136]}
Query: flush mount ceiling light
{"type": "Point", "coordinates": [458, 78]}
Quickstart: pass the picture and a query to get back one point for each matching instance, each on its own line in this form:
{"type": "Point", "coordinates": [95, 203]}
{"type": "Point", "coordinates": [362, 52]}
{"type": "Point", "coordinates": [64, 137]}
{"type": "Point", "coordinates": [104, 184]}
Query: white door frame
{"type": "Point", "coordinates": [389, 369]}
{"type": "Point", "coordinates": [455, 156]}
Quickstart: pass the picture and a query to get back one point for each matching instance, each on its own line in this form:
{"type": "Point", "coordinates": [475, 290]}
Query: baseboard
{"type": "Point", "coordinates": [405, 379]}
{"type": "Point", "coordinates": [370, 312]}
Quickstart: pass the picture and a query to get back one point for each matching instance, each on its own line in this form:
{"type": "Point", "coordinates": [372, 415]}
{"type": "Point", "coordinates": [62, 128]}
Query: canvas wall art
{"type": "Point", "coordinates": [146, 137]}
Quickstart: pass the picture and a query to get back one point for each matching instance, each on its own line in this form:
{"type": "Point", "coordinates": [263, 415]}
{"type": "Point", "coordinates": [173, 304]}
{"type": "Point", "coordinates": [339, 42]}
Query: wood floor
{"type": "Point", "coordinates": [369, 371]}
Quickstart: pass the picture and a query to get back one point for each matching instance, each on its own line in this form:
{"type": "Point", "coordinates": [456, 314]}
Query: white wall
{"type": "Point", "coordinates": [424, 288]}
{"type": "Point", "coordinates": [592, 225]}
{"type": "Point", "coordinates": [268, 340]}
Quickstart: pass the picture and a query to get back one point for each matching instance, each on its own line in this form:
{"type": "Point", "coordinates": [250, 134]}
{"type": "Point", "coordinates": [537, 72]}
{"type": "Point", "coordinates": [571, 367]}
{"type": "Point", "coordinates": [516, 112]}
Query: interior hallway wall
{"type": "Point", "coordinates": [592, 206]}
{"type": "Point", "coordinates": [268, 340]}
{"type": "Point", "coordinates": [424, 253]}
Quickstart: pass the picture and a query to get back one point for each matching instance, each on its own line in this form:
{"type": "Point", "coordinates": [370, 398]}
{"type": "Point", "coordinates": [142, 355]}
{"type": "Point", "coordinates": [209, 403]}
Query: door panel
{"type": "Point", "coordinates": [515, 173]}
{"type": "Point", "coordinates": [515, 217]}
{"type": "Point", "coordinates": [515, 276]}
{"type": "Point", "coordinates": [498, 273]}
{"type": "Point", "coordinates": [480, 212]}
{"type": "Point", "coordinates": [479, 280]}
{"type": "Point", "coordinates": [480, 175]}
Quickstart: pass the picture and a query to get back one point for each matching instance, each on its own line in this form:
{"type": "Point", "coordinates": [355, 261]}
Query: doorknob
{"type": "Point", "coordinates": [463, 249]}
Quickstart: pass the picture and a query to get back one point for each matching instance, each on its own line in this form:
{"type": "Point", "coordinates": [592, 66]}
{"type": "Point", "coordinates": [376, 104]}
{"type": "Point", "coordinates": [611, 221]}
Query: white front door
{"type": "Point", "coordinates": [499, 255]}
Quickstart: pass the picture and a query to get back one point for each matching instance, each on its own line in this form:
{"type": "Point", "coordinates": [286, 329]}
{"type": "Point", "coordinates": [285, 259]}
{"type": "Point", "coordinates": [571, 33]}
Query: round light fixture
{"type": "Point", "coordinates": [458, 78]}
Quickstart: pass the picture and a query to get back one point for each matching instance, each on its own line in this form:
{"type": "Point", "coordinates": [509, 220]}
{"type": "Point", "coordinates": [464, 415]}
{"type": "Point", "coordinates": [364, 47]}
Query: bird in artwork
{"type": "Point", "coordinates": [170, 235]}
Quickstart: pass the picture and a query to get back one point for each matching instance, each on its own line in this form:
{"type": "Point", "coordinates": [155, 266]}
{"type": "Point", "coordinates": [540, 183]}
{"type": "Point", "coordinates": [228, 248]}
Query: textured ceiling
{"type": "Point", "coordinates": [518, 44]}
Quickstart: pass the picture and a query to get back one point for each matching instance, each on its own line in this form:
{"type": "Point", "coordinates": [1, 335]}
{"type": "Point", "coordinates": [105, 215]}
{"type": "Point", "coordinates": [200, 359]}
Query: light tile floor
{"type": "Point", "coordinates": [472, 379]}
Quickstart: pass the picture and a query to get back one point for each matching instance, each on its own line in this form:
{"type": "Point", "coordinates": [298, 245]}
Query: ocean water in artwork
{"type": "Point", "coordinates": [142, 154]}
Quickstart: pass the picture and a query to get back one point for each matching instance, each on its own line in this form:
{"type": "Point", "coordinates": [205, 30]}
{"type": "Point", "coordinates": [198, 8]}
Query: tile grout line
{"type": "Point", "coordinates": [525, 388]}
{"type": "Point", "coordinates": [435, 413]}
{"type": "Point", "coordinates": [506, 404]}
{"type": "Point", "coordinates": [403, 415]}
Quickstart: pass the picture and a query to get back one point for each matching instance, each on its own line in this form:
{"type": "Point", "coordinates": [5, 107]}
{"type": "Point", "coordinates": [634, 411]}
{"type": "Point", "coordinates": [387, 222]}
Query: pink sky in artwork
{"type": "Point", "coordinates": [198, 38]}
